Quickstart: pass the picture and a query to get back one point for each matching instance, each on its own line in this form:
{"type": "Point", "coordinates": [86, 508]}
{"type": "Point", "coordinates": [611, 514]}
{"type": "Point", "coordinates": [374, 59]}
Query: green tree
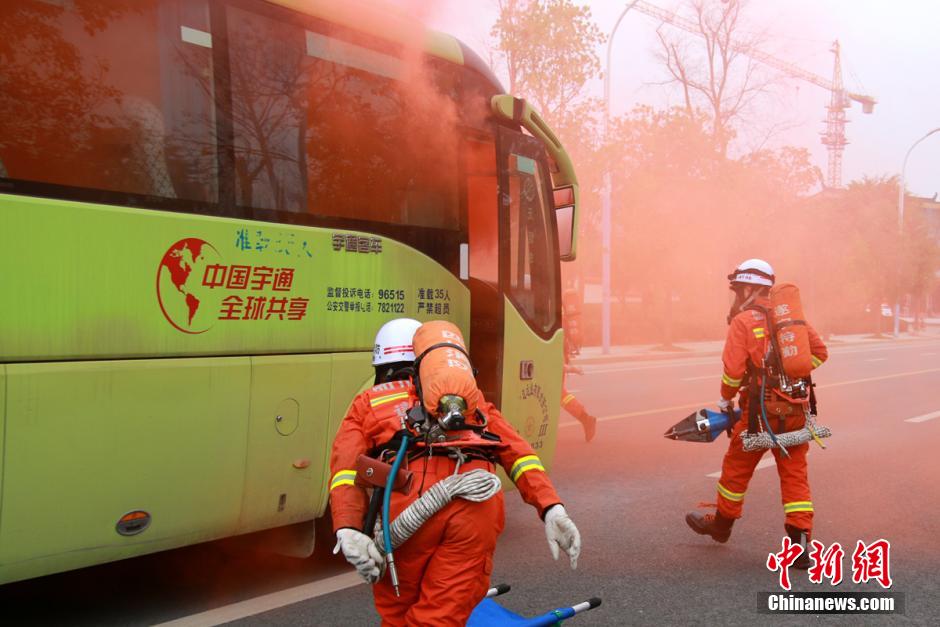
{"type": "Point", "coordinates": [662, 162]}
{"type": "Point", "coordinates": [549, 48]}
{"type": "Point", "coordinates": [685, 215]}
{"type": "Point", "coordinates": [549, 52]}
{"type": "Point", "coordinates": [868, 212]}
{"type": "Point", "coordinates": [920, 258]}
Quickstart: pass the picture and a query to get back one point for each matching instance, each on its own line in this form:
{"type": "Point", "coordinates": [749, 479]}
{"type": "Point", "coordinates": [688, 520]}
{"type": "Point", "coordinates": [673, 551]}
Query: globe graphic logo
{"type": "Point", "coordinates": [186, 303]}
{"type": "Point", "coordinates": [530, 426]}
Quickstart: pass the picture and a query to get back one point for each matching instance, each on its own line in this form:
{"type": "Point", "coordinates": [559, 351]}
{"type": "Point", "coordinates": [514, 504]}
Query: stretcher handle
{"type": "Point", "coordinates": [568, 612]}
{"type": "Point", "coordinates": [497, 590]}
{"type": "Point", "coordinates": [590, 604]}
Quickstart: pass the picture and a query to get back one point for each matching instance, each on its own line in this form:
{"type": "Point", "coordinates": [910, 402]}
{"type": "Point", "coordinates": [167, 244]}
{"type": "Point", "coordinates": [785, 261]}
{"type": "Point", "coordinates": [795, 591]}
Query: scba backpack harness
{"type": "Point", "coordinates": [786, 386]}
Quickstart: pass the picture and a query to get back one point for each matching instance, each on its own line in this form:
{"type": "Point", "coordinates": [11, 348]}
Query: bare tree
{"type": "Point", "coordinates": [714, 70]}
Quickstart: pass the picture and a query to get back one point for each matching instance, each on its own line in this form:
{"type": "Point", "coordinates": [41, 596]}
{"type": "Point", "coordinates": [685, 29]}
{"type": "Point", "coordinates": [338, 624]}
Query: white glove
{"type": "Point", "coordinates": [561, 532]}
{"type": "Point", "coordinates": [360, 551]}
{"type": "Point", "coordinates": [724, 405]}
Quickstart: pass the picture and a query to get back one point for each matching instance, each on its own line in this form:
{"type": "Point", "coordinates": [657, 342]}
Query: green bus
{"type": "Point", "coordinates": [207, 209]}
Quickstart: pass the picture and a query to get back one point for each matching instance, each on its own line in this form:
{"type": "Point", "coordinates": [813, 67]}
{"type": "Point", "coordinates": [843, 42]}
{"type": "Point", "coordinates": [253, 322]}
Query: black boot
{"type": "Point", "coordinates": [714, 525]}
{"type": "Point", "coordinates": [801, 537]}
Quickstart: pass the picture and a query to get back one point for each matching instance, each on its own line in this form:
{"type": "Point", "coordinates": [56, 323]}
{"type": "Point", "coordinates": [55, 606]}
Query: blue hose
{"type": "Point", "coordinates": [763, 414]}
{"type": "Point", "coordinates": [387, 497]}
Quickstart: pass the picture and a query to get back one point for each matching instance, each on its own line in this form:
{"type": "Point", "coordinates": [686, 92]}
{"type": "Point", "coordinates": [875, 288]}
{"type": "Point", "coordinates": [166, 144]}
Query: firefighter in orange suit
{"type": "Point", "coordinates": [745, 348]}
{"type": "Point", "coordinates": [444, 568]}
{"type": "Point", "coordinates": [572, 326]}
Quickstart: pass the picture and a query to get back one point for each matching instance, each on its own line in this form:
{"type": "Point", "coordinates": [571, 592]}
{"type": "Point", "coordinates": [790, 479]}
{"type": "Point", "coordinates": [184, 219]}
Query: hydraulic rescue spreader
{"type": "Point", "coordinates": [703, 426]}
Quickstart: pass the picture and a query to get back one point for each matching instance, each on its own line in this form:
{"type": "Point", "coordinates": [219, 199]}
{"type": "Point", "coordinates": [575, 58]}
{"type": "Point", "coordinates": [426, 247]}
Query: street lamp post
{"type": "Point", "coordinates": [897, 297]}
{"type": "Point", "coordinates": [605, 203]}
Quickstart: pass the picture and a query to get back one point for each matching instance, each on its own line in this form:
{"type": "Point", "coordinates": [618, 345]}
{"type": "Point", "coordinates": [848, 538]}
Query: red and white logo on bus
{"type": "Point", "coordinates": [196, 289]}
{"type": "Point", "coordinates": [186, 303]}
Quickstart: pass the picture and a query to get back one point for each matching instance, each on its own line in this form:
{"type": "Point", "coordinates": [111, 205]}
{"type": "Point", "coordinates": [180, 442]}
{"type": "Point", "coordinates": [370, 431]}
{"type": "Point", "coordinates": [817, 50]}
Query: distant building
{"type": "Point", "coordinates": [931, 211]}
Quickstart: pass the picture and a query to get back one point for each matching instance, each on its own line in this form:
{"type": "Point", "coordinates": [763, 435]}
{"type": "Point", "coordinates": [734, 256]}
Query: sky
{"type": "Point", "coordinates": [890, 50]}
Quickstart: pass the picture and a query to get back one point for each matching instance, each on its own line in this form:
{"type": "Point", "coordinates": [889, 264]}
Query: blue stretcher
{"type": "Point", "coordinates": [489, 613]}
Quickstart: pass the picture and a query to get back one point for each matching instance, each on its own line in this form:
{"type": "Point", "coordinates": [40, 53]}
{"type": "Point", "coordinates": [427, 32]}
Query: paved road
{"type": "Point", "coordinates": [628, 491]}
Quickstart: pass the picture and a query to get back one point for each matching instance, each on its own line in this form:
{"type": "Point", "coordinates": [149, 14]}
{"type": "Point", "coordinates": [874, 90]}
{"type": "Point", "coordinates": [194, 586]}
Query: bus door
{"type": "Point", "coordinates": [531, 377]}
{"type": "Point", "coordinates": [486, 298]}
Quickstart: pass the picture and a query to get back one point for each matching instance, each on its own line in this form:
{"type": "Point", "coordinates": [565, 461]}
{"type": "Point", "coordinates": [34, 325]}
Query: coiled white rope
{"type": "Point", "coordinates": [762, 440]}
{"type": "Point", "coordinates": [477, 485]}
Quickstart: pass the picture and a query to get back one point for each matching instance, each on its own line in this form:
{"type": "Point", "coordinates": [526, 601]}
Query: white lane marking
{"type": "Point", "coordinates": [925, 417]}
{"type": "Point", "coordinates": [877, 359]}
{"type": "Point", "coordinates": [671, 364]}
{"type": "Point", "coordinates": [861, 348]}
{"type": "Point", "coordinates": [881, 378]}
{"type": "Point", "coordinates": [267, 602]}
{"type": "Point", "coordinates": [708, 403]}
{"type": "Point", "coordinates": [767, 462]}
{"type": "Point", "coordinates": [707, 376]}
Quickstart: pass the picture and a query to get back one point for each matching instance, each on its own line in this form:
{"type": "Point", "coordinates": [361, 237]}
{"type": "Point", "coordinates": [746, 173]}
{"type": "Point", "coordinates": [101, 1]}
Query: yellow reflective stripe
{"type": "Point", "coordinates": [526, 468]}
{"type": "Point", "coordinates": [343, 477]}
{"type": "Point", "coordinates": [798, 506]}
{"type": "Point", "coordinates": [381, 400]}
{"type": "Point", "coordinates": [567, 399]}
{"type": "Point", "coordinates": [522, 460]}
{"type": "Point", "coordinates": [817, 362]}
{"type": "Point", "coordinates": [734, 383]}
{"type": "Point", "coordinates": [728, 494]}
{"type": "Point", "coordinates": [759, 332]}
{"type": "Point", "coordinates": [524, 465]}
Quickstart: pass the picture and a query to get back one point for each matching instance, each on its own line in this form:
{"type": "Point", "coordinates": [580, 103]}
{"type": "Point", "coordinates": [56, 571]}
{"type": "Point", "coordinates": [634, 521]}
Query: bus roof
{"type": "Point", "coordinates": [382, 20]}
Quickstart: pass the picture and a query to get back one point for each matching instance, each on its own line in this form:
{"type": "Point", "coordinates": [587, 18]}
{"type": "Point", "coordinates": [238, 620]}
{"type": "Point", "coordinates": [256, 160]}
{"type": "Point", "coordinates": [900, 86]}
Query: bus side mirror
{"type": "Point", "coordinates": [564, 219]}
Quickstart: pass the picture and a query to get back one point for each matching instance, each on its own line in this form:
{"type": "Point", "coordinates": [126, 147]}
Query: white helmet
{"type": "Point", "coordinates": [753, 271]}
{"type": "Point", "coordinates": [395, 341]}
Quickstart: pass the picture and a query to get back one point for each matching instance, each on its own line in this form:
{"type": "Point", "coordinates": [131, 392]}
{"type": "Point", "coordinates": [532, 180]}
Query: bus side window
{"type": "Point", "coordinates": [383, 137]}
{"type": "Point", "coordinates": [339, 126]}
{"type": "Point", "coordinates": [110, 96]}
{"type": "Point", "coordinates": [269, 86]}
{"type": "Point", "coordinates": [531, 267]}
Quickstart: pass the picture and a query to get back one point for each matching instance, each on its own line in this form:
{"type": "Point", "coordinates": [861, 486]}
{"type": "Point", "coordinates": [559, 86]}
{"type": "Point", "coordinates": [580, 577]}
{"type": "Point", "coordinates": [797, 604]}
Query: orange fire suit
{"type": "Point", "coordinates": [572, 347]}
{"type": "Point", "coordinates": [570, 402]}
{"type": "Point", "coordinates": [747, 340]}
{"type": "Point", "coordinates": [443, 569]}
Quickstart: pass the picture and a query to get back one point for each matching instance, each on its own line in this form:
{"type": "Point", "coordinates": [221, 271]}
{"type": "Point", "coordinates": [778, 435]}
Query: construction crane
{"type": "Point", "coordinates": [834, 136]}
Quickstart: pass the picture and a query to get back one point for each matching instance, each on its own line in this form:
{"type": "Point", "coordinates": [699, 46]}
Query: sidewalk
{"type": "Point", "coordinates": [591, 355]}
